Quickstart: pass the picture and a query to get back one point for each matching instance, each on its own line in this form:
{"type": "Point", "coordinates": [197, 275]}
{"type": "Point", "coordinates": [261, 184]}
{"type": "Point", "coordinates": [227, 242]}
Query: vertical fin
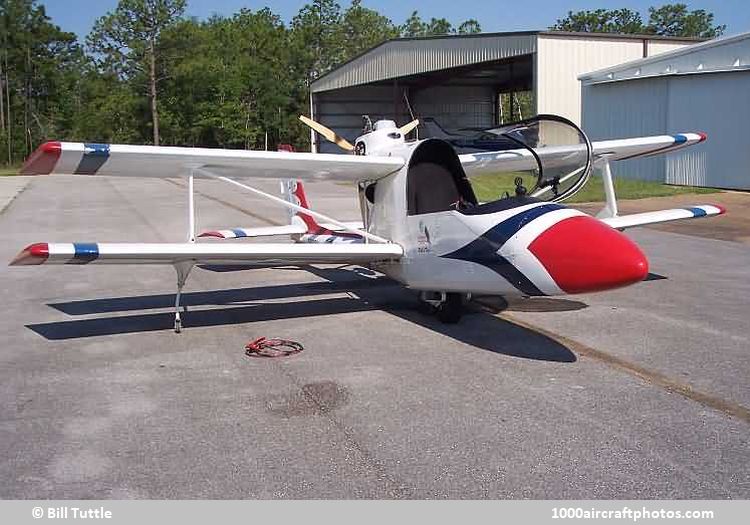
{"type": "Point", "coordinates": [295, 193]}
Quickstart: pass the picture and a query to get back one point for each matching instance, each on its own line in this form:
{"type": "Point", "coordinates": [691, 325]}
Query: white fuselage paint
{"type": "Point", "coordinates": [422, 267]}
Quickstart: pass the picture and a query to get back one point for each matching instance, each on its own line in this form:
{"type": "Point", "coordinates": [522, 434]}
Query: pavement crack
{"type": "Point", "coordinates": [144, 219]}
{"type": "Point", "coordinates": [228, 204]}
{"type": "Point", "coordinates": [649, 376]}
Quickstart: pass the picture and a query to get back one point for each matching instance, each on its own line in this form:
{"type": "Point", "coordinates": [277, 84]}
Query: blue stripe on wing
{"type": "Point", "coordinates": [697, 212]}
{"type": "Point", "coordinates": [85, 252]}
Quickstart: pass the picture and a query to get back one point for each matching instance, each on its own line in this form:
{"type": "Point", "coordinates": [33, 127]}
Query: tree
{"type": "Point", "coordinates": [38, 63]}
{"type": "Point", "coordinates": [127, 39]}
{"type": "Point", "coordinates": [468, 27]}
{"type": "Point", "coordinates": [414, 26]}
{"type": "Point", "coordinates": [668, 20]}
{"type": "Point", "coordinates": [601, 21]}
{"type": "Point", "coordinates": [315, 36]}
{"type": "Point", "coordinates": [676, 20]}
{"type": "Point", "coordinates": [361, 28]}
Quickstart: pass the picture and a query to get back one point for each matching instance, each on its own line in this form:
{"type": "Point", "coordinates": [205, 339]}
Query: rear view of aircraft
{"type": "Point", "coordinates": [422, 224]}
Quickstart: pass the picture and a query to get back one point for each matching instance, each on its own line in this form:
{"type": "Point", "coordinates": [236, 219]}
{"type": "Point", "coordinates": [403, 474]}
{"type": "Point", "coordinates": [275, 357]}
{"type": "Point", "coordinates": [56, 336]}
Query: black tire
{"type": "Point", "coordinates": [452, 309]}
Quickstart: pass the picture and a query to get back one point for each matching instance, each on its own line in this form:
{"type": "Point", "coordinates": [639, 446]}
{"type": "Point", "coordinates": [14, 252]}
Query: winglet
{"type": "Point", "coordinates": [43, 160]}
{"type": "Point", "coordinates": [32, 254]}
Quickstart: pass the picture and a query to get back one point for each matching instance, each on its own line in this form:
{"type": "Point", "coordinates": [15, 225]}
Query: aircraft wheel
{"type": "Point", "coordinates": [451, 310]}
{"type": "Point", "coordinates": [426, 308]}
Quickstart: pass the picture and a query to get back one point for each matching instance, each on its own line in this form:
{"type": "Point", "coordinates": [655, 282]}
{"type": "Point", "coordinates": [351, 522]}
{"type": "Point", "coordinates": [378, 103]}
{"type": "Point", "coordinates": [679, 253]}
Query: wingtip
{"type": "Point", "coordinates": [722, 209]}
{"type": "Point", "coordinates": [43, 160]}
{"type": "Point", "coordinates": [212, 234]}
{"type": "Point", "coordinates": [703, 136]}
{"type": "Point", "coordinates": [33, 254]}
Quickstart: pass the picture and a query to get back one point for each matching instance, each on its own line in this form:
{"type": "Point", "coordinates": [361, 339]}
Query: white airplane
{"type": "Point", "coordinates": [421, 222]}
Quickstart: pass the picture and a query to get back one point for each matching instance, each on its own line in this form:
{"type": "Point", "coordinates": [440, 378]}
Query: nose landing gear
{"type": "Point", "coordinates": [448, 307]}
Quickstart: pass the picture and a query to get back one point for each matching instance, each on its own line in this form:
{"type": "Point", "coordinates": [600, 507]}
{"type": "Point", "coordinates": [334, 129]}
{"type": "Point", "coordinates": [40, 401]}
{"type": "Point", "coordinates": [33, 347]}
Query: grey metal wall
{"type": "Point", "coordinates": [627, 109]}
{"type": "Point", "coordinates": [456, 107]}
{"type": "Point", "coordinates": [718, 104]}
{"type": "Point", "coordinates": [715, 103]}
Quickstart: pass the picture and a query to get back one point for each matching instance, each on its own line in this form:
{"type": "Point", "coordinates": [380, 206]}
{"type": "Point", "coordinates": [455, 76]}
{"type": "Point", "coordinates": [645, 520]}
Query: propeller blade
{"type": "Point", "coordinates": [406, 128]}
{"type": "Point", "coordinates": [329, 134]}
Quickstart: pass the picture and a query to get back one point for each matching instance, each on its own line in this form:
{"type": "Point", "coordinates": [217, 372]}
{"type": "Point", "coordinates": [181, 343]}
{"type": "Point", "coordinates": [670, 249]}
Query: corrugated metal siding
{"type": "Point", "coordinates": [457, 107]}
{"type": "Point", "coordinates": [719, 105]}
{"type": "Point", "coordinates": [561, 60]}
{"type": "Point", "coordinates": [714, 103]}
{"type": "Point", "coordinates": [731, 53]}
{"type": "Point", "coordinates": [399, 58]}
{"type": "Point", "coordinates": [634, 109]}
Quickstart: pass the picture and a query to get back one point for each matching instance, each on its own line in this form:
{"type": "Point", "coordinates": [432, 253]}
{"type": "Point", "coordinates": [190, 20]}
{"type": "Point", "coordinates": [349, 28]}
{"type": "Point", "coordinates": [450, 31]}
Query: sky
{"type": "Point", "coordinates": [78, 16]}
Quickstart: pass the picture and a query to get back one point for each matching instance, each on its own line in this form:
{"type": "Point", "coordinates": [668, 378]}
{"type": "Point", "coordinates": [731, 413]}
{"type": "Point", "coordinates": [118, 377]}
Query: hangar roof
{"type": "Point", "coordinates": [718, 55]}
{"type": "Point", "coordinates": [401, 57]}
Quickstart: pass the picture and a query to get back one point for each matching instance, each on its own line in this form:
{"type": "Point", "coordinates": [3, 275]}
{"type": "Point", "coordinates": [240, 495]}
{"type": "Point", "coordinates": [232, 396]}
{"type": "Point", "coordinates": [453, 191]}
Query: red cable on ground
{"type": "Point", "coordinates": [263, 347]}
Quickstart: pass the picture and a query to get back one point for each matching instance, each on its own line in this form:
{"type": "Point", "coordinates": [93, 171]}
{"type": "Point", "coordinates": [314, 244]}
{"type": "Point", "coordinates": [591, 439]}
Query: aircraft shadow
{"type": "Point", "coordinates": [232, 296]}
{"type": "Point", "coordinates": [478, 328]}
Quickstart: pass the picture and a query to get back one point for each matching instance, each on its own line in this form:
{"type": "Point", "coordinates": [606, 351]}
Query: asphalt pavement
{"type": "Point", "coordinates": [636, 393]}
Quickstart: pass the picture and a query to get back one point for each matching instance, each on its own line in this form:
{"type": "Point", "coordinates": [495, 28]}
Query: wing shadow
{"type": "Point", "coordinates": [127, 324]}
{"type": "Point", "coordinates": [478, 328]}
{"type": "Point", "coordinates": [232, 296]}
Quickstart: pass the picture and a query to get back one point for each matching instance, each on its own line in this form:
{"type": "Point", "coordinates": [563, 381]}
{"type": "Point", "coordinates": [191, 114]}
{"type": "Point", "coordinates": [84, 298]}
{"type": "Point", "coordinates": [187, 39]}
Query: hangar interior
{"type": "Point", "coordinates": [477, 96]}
{"type": "Point", "coordinates": [470, 81]}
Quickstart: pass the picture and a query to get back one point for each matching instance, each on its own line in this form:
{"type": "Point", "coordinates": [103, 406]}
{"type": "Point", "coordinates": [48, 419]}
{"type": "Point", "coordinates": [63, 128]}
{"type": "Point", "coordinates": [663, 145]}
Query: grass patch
{"type": "Point", "coordinates": [492, 187]}
{"type": "Point", "coordinates": [9, 170]}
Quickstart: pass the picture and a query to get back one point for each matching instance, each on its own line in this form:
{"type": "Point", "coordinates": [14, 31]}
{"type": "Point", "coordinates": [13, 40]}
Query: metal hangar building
{"type": "Point", "coordinates": [705, 87]}
{"type": "Point", "coordinates": [471, 81]}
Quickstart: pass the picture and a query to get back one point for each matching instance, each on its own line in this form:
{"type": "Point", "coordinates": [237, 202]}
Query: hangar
{"type": "Point", "coordinates": [470, 81]}
{"type": "Point", "coordinates": [701, 88]}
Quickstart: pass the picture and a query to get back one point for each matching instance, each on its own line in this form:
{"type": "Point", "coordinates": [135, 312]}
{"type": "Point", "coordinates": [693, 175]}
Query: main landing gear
{"type": "Point", "coordinates": [448, 307]}
{"type": "Point", "coordinates": [183, 270]}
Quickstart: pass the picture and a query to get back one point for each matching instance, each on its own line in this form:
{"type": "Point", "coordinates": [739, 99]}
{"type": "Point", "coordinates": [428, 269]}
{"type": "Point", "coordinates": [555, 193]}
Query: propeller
{"type": "Point", "coordinates": [406, 128]}
{"type": "Point", "coordinates": [328, 133]}
{"type": "Point", "coordinates": [341, 141]}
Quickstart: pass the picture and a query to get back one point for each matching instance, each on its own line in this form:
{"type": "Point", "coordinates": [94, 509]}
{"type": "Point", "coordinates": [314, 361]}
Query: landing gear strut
{"type": "Point", "coordinates": [183, 270]}
{"type": "Point", "coordinates": [448, 307]}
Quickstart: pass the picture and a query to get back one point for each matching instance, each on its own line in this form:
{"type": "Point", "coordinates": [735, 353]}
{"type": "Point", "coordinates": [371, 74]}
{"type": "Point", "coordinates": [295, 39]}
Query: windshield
{"type": "Point", "coordinates": [562, 152]}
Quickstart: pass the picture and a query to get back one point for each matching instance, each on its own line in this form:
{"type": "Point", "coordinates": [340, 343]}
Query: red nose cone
{"type": "Point", "coordinates": [583, 255]}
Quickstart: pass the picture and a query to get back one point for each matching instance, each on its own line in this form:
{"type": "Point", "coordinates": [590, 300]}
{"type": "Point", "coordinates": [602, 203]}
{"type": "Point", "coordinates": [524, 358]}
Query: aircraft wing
{"type": "Point", "coordinates": [621, 149]}
{"type": "Point", "coordinates": [261, 255]}
{"type": "Point", "coordinates": [169, 162]}
{"type": "Point", "coordinates": [622, 222]}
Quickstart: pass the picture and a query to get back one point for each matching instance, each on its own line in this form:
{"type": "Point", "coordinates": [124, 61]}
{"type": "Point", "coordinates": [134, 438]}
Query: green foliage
{"type": "Point", "coordinates": [492, 187]}
{"type": "Point", "coordinates": [129, 45]}
{"type": "Point", "coordinates": [668, 20]}
{"type": "Point", "coordinates": [152, 75]}
{"type": "Point", "coordinates": [38, 73]}
{"type": "Point", "coordinates": [601, 21]}
{"type": "Point", "coordinates": [416, 27]}
{"type": "Point", "coordinates": [676, 20]}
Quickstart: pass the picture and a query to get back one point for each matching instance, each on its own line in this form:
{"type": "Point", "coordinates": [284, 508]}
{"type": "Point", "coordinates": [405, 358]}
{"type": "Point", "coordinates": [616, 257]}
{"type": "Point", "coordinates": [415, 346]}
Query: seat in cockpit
{"type": "Point", "coordinates": [436, 180]}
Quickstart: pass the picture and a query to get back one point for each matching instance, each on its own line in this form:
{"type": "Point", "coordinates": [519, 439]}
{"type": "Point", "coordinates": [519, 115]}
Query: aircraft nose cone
{"type": "Point", "coordinates": [582, 254]}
